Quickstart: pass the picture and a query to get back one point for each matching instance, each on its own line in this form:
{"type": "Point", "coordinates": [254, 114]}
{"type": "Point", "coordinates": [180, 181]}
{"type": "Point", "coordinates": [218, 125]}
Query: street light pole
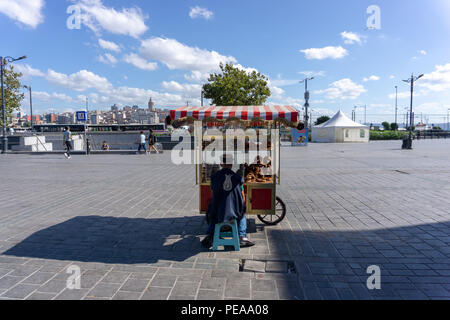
{"type": "Point", "coordinates": [448, 120]}
{"type": "Point", "coordinates": [396, 103]}
{"type": "Point", "coordinates": [306, 99]}
{"type": "Point", "coordinates": [411, 121]}
{"type": "Point", "coordinates": [3, 61]}
{"type": "Point", "coordinates": [365, 114]}
{"type": "Point", "coordinates": [31, 104]}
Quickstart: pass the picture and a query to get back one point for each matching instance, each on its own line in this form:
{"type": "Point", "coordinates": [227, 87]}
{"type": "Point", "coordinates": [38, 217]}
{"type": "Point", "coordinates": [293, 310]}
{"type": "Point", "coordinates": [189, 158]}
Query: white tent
{"type": "Point", "coordinates": [340, 129]}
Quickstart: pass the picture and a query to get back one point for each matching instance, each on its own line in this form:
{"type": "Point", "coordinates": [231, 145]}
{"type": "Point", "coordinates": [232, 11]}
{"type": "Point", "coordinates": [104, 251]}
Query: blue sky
{"type": "Point", "coordinates": [127, 51]}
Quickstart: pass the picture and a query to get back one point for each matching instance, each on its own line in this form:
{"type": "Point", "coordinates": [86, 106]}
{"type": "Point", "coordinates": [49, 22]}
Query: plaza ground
{"type": "Point", "coordinates": [131, 224]}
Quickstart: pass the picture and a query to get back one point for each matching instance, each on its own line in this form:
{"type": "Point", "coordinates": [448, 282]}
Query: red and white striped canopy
{"type": "Point", "coordinates": [240, 112]}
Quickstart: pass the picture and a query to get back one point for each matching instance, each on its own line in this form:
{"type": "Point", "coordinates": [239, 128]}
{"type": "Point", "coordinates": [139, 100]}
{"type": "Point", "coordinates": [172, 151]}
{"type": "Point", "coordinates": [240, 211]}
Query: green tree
{"type": "Point", "coordinates": [394, 126]}
{"type": "Point", "coordinates": [321, 120]}
{"type": "Point", "coordinates": [386, 126]}
{"type": "Point", "coordinates": [12, 86]}
{"type": "Point", "coordinates": [236, 87]}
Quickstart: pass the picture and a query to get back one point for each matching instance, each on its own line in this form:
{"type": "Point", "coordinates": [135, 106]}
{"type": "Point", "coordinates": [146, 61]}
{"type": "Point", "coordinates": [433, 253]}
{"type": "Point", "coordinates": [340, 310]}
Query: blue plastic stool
{"type": "Point", "coordinates": [223, 238]}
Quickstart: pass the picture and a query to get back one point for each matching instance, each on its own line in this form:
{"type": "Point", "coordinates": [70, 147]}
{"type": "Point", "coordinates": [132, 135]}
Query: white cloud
{"type": "Point", "coordinates": [97, 17]}
{"type": "Point", "coordinates": [325, 53]}
{"type": "Point", "coordinates": [392, 77]}
{"type": "Point", "coordinates": [176, 55]}
{"type": "Point", "coordinates": [109, 45]}
{"type": "Point", "coordinates": [344, 89]}
{"type": "Point", "coordinates": [27, 12]}
{"type": "Point", "coordinates": [107, 59]}
{"type": "Point", "coordinates": [140, 63]}
{"type": "Point", "coordinates": [47, 97]}
{"type": "Point", "coordinates": [276, 92]}
{"type": "Point", "coordinates": [402, 95]}
{"type": "Point", "coordinates": [284, 82]}
{"type": "Point", "coordinates": [188, 90]}
{"type": "Point", "coordinates": [80, 81]}
{"type": "Point", "coordinates": [197, 76]}
{"type": "Point", "coordinates": [432, 108]}
{"type": "Point", "coordinates": [198, 12]}
{"type": "Point", "coordinates": [107, 94]}
{"type": "Point", "coordinates": [423, 52]}
{"type": "Point", "coordinates": [129, 96]}
{"type": "Point", "coordinates": [371, 78]}
{"type": "Point", "coordinates": [28, 72]}
{"type": "Point", "coordinates": [351, 37]}
{"type": "Point", "coordinates": [310, 74]}
{"type": "Point", "coordinates": [438, 80]}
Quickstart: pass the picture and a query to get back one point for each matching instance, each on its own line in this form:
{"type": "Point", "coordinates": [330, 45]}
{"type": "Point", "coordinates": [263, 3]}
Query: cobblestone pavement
{"type": "Point", "coordinates": [130, 223]}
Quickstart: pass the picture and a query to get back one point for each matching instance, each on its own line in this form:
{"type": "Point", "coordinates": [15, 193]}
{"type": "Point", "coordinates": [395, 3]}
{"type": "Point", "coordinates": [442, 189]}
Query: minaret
{"type": "Point", "coordinates": [151, 105]}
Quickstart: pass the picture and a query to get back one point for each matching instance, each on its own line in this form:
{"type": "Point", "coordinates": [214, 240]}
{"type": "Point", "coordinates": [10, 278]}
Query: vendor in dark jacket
{"type": "Point", "coordinates": [228, 202]}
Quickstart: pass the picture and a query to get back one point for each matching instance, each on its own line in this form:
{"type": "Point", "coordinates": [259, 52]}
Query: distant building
{"type": "Point", "coordinates": [114, 108]}
{"type": "Point", "coordinates": [50, 118]}
{"type": "Point", "coordinates": [151, 105]}
{"type": "Point", "coordinates": [63, 119]}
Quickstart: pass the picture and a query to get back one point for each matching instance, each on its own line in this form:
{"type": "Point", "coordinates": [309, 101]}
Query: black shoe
{"type": "Point", "coordinates": [245, 243]}
{"type": "Point", "coordinates": [207, 242]}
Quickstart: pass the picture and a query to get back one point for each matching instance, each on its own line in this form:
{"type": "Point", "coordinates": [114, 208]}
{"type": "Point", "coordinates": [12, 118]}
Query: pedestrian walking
{"type": "Point", "coordinates": [67, 142]}
{"type": "Point", "coordinates": [152, 142]}
{"type": "Point", "coordinates": [142, 142]}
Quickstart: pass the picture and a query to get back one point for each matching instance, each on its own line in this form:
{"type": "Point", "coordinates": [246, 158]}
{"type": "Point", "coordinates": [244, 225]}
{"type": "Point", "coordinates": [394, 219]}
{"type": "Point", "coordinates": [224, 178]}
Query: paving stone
{"type": "Point", "coordinates": [263, 285]}
{"type": "Point", "coordinates": [104, 290]}
{"type": "Point", "coordinates": [213, 284]}
{"type": "Point", "coordinates": [124, 295]}
{"type": "Point", "coordinates": [185, 288]}
{"type": "Point", "coordinates": [209, 295]}
{"type": "Point", "coordinates": [254, 266]}
{"type": "Point", "coordinates": [7, 282]}
{"type": "Point", "coordinates": [116, 277]}
{"type": "Point", "coordinates": [53, 286]}
{"type": "Point", "coordinates": [135, 285]}
{"type": "Point", "coordinates": [40, 296]}
{"type": "Point", "coordinates": [20, 291]}
{"type": "Point", "coordinates": [39, 278]}
{"type": "Point", "coordinates": [76, 294]}
{"type": "Point", "coordinates": [263, 295]}
{"type": "Point", "coordinates": [156, 293]}
{"type": "Point", "coordinates": [163, 281]}
{"type": "Point", "coordinates": [237, 291]}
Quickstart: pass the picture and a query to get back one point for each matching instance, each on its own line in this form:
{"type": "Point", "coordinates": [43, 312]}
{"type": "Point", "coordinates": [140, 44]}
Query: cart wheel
{"type": "Point", "coordinates": [280, 213]}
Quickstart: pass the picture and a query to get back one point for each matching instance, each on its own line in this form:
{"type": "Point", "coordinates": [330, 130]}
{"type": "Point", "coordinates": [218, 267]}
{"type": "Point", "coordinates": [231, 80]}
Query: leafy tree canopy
{"type": "Point", "coordinates": [386, 125]}
{"type": "Point", "coordinates": [12, 86]}
{"type": "Point", "coordinates": [321, 120]}
{"type": "Point", "coordinates": [236, 87]}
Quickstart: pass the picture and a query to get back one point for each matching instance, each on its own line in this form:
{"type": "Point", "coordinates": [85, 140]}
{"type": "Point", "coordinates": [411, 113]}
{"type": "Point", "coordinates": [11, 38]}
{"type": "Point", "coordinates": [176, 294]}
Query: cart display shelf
{"type": "Point", "coordinates": [211, 125]}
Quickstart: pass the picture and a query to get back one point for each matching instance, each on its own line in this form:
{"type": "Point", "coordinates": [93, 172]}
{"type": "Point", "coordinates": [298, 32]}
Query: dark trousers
{"type": "Point", "coordinates": [69, 147]}
{"type": "Point", "coordinates": [142, 146]}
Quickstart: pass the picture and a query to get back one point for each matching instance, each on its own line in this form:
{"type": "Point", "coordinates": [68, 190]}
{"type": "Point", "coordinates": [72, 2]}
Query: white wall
{"type": "Point", "coordinates": [339, 135]}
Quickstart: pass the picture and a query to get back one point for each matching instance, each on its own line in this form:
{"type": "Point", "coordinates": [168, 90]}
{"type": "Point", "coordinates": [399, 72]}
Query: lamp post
{"type": "Point", "coordinates": [411, 122]}
{"type": "Point", "coordinates": [306, 98]}
{"type": "Point", "coordinates": [448, 119]}
{"type": "Point", "coordinates": [31, 104]}
{"type": "Point", "coordinates": [396, 103]}
{"type": "Point", "coordinates": [3, 62]}
{"type": "Point", "coordinates": [203, 96]}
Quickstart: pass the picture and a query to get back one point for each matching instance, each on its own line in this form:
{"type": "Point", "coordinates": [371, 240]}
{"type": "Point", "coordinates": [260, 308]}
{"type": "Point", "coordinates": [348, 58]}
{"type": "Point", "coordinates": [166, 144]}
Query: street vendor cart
{"type": "Point", "coordinates": [251, 134]}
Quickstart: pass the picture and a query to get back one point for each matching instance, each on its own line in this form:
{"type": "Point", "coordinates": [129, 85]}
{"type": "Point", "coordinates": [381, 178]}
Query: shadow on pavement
{"type": "Point", "coordinates": [116, 240]}
{"type": "Point", "coordinates": [414, 261]}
